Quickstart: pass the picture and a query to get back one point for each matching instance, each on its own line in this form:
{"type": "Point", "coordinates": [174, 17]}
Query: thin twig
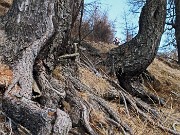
{"type": "Point", "coordinates": [66, 56]}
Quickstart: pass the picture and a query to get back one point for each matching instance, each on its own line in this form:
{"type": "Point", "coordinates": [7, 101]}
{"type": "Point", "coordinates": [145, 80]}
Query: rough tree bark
{"type": "Point", "coordinates": [36, 32]}
{"type": "Point", "coordinates": [36, 35]}
{"type": "Point", "coordinates": [177, 27]}
{"type": "Point", "coordinates": [133, 57]}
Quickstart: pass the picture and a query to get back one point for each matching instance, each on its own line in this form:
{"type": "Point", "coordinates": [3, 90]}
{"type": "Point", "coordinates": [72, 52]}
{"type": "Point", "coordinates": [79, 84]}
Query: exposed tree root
{"type": "Point", "coordinates": [112, 114]}
{"type": "Point", "coordinates": [146, 111]}
{"type": "Point", "coordinates": [125, 128]}
{"type": "Point", "coordinates": [52, 91]}
{"type": "Point", "coordinates": [134, 87]}
{"type": "Point", "coordinates": [20, 110]}
{"type": "Point", "coordinates": [84, 109]}
{"type": "Point", "coordinates": [62, 124]}
{"type": "Point", "coordinates": [78, 115]}
{"type": "Point", "coordinates": [35, 118]}
{"type": "Point", "coordinates": [58, 109]}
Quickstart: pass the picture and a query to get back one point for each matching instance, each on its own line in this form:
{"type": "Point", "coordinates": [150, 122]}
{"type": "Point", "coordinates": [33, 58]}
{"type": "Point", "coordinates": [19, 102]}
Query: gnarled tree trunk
{"type": "Point", "coordinates": [133, 57]}
{"type": "Point", "coordinates": [36, 34]}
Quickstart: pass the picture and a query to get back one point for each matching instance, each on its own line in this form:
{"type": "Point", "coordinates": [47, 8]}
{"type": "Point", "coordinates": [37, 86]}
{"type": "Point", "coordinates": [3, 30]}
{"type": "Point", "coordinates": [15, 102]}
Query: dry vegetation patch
{"type": "Point", "coordinates": [5, 80]}
{"type": "Point", "coordinates": [169, 77]}
{"type": "Point", "coordinates": [4, 6]}
{"type": "Point", "coordinates": [5, 75]}
{"type": "Point", "coordinates": [102, 47]}
{"type": "Point", "coordinates": [93, 81]}
{"type": "Point", "coordinates": [167, 86]}
{"type": "Point", "coordinates": [169, 82]}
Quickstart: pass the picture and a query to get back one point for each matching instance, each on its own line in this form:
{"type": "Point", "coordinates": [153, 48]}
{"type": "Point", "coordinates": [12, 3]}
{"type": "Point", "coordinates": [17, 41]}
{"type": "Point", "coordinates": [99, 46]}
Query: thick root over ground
{"type": "Point", "coordinates": [67, 105]}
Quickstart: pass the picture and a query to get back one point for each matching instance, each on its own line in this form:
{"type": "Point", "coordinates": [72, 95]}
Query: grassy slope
{"type": "Point", "coordinates": [166, 85]}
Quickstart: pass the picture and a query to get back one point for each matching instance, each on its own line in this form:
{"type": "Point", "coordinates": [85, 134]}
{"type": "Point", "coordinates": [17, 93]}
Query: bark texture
{"type": "Point", "coordinates": [177, 27]}
{"type": "Point", "coordinates": [132, 58]}
{"type": "Point", "coordinates": [36, 39]}
{"type": "Point", "coordinates": [35, 34]}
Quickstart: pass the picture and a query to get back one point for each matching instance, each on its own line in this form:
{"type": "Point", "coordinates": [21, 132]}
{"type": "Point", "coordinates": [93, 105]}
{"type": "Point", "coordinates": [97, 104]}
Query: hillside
{"type": "Point", "coordinates": [94, 100]}
{"type": "Point", "coordinates": [162, 79]}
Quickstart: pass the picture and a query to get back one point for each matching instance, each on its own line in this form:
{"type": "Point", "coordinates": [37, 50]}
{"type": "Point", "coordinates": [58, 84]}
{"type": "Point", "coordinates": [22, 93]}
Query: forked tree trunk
{"type": "Point", "coordinates": [133, 57]}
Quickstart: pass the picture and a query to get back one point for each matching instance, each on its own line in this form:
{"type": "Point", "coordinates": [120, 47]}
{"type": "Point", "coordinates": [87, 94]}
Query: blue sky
{"type": "Point", "coordinates": [116, 10]}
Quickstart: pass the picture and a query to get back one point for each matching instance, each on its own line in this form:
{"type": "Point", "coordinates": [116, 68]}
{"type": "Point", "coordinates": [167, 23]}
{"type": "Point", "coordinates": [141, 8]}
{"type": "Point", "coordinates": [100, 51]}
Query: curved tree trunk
{"type": "Point", "coordinates": [133, 57]}
{"type": "Point", "coordinates": [35, 35]}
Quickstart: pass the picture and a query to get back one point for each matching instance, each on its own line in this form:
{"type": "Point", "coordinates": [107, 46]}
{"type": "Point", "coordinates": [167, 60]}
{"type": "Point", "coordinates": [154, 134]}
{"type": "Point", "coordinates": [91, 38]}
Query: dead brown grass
{"type": "Point", "coordinates": [169, 82]}
{"type": "Point", "coordinates": [93, 81]}
{"type": "Point", "coordinates": [169, 77]}
{"type": "Point", "coordinates": [102, 47]}
{"type": "Point", "coordinates": [5, 75]}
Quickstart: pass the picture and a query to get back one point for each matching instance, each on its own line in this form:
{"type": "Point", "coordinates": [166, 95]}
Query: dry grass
{"type": "Point", "coordinates": [93, 81]}
{"type": "Point", "coordinates": [101, 125]}
{"type": "Point", "coordinates": [3, 10]}
{"type": "Point", "coordinates": [57, 74]}
{"type": "Point", "coordinates": [169, 86]}
{"type": "Point", "coordinates": [169, 83]}
{"type": "Point", "coordinates": [169, 78]}
{"type": "Point", "coordinates": [5, 75]}
{"type": "Point", "coordinates": [102, 47]}
{"type": "Point", "coordinates": [139, 126]}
